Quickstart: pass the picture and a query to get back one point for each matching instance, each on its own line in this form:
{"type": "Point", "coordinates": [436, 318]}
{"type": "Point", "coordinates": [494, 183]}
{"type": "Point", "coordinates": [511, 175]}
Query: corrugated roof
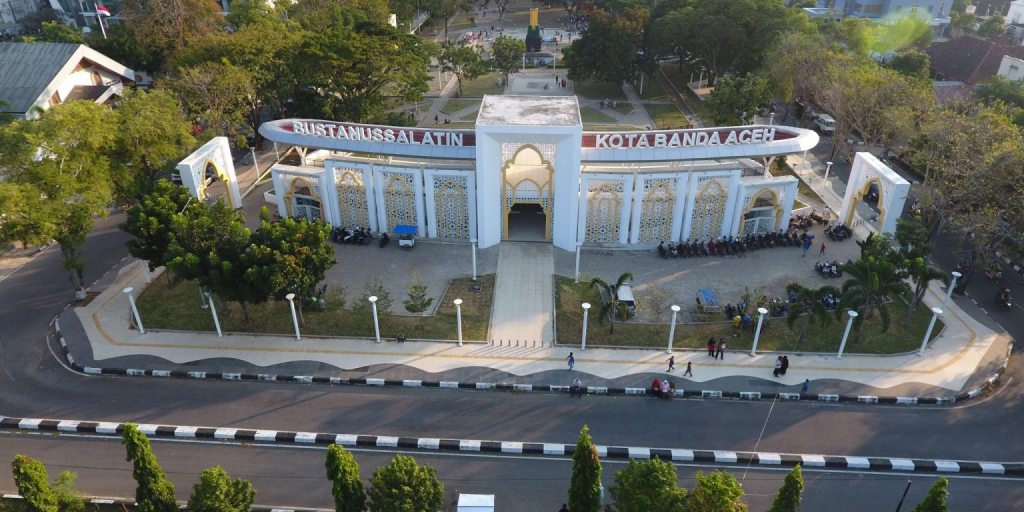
{"type": "Point", "coordinates": [28, 68]}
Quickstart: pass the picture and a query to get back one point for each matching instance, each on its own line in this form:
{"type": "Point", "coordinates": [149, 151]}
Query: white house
{"type": "Point", "coordinates": [1011, 68]}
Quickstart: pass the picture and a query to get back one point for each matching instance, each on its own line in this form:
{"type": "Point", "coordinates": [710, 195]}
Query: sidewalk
{"type": "Point", "coordinates": [964, 356]}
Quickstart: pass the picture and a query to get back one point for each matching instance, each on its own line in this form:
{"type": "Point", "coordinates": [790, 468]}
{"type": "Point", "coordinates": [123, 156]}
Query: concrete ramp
{"type": "Point", "coordinates": [523, 293]}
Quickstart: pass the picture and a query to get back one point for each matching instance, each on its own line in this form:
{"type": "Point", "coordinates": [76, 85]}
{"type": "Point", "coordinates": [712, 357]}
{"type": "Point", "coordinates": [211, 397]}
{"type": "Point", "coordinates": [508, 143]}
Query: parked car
{"type": "Point", "coordinates": [825, 123]}
{"type": "Point", "coordinates": [625, 295]}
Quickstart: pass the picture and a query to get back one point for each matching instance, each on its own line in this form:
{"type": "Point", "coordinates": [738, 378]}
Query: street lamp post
{"type": "Point", "coordinates": [761, 312]}
{"type": "Point", "coordinates": [376, 324]}
{"type": "Point", "coordinates": [952, 284]}
{"type": "Point", "coordinates": [927, 335]}
{"type": "Point", "coordinates": [255, 164]}
{"type": "Point", "coordinates": [849, 324]}
{"type": "Point", "coordinates": [145, 271]}
{"type": "Point", "coordinates": [213, 309]}
{"type": "Point", "coordinates": [672, 330]}
{"type": "Point", "coordinates": [586, 308]}
{"type": "Point", "coordinates": [771, 120]}
{"type": "Point", "coordinates": [828, 167]}
{"type": "Point", "coordinates": [202, 297]}
{"type": "Point", "coordinates": [458, 318]}
{"type": "Point", "coordinates": [578, 246]}
{"type": "Point", "coordinates": [135, 310]}
{"type": "Point", "coordinates": [295, 318]}
{"type": "Point", "coordinates": [473, 243]}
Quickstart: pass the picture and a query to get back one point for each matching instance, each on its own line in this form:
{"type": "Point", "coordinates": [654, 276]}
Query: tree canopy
{"type": "Point", "coordinates": [608, 49]}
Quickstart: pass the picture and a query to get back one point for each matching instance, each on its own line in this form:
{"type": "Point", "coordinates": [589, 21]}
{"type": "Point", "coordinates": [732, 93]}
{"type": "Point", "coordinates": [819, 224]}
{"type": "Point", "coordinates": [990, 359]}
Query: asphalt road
{"type": "Point", "coordinates": [35, 385]}
{"type": "Point", "coordinates": [296, 478]}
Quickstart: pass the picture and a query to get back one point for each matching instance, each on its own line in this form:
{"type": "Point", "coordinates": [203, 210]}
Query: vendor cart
{"type": "Point", "coordinates": [708, 307]}
{"type": "Point", "coordinates": [406, 235]}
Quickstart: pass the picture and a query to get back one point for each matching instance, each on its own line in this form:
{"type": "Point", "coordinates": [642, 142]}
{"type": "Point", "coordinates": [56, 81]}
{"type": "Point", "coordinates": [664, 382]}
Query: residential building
{"type": "Point", "coordinates": [970, 59]}
{"type": "Point", "coordinates": [1011, 68]}
{"type": "Point", "coordinates": [40, 75]}
{"type": "Point", "coordinates": [936, 12]}
{"type": "Point", "coordinates": [11, 11]}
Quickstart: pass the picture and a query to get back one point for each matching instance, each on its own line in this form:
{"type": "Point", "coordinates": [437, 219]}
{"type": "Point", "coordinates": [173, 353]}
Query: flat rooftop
{"type": "Point", "coordinates": [529, 111]}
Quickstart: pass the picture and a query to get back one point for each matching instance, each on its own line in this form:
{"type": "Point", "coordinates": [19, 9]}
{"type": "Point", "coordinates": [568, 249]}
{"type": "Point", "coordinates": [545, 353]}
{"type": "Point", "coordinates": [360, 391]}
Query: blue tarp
{"type": "Point", "coordinates": [709, 297]}
{"type": "Point", "coordinates": [403, 229]}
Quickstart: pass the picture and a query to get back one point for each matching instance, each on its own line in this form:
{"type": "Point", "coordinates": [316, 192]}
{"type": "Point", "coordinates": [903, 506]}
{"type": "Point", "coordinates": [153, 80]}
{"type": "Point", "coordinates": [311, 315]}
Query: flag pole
{"type": "Point", "coordinates": [99, 18]}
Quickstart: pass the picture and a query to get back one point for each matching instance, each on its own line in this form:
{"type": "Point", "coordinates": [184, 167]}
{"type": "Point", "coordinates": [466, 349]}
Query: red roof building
{"type": "Point", "coordinates": [970, 59]}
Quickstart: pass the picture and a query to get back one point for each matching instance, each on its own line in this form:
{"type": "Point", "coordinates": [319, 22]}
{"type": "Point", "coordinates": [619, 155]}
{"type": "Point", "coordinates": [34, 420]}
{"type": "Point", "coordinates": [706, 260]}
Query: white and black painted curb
{"type": "Point", "coordinates": [1010, 263]}
{"type": "Point", "coordinates": [131, 503]}
{"type": "Point", "coordinates": [502, 386]}
{"type": "Point", "coordinates": [518, 448]}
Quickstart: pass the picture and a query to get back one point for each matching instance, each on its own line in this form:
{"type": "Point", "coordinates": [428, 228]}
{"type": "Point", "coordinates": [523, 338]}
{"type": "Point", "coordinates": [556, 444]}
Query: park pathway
{"type": "Point", "coordinates": [523, 307]}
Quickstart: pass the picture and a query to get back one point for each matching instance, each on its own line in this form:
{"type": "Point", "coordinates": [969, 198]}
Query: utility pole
{"type": "Point", "coordinates": [905, 491]}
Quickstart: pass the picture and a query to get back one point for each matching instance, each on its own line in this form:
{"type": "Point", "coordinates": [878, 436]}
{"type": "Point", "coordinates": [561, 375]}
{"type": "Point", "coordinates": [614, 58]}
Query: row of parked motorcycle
{"type": "Point", "coordinates": [838, 233]}
{"type": "Point", "coordinates": [357, 236]}
{"type": "Point", "coordinates": [805, 222]}
{"type": "Point", "coordinates": [826, 269]}
{"type": "Point", "coordinates": [731, 245]}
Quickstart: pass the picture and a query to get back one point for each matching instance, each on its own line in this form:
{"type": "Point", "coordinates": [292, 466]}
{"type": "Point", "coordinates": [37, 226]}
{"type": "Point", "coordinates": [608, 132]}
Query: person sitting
{"type": "Point", "coordinates": [576, 388]}
{"type": "Point", "coordinates": [666, 390]}
{"type": "Point", "coordinates": [1004, 294]}
{"type": "Point", "coordinates": [656, 388]}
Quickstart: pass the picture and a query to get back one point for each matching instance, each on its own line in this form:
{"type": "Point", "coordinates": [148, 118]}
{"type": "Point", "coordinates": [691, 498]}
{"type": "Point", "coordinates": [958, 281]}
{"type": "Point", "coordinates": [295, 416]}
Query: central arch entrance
{"type": "Point", "coordinates": [526, 196]}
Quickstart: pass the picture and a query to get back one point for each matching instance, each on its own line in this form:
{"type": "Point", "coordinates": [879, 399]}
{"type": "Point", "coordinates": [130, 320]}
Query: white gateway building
{"type": "Point", "coordinates": [528, 171]}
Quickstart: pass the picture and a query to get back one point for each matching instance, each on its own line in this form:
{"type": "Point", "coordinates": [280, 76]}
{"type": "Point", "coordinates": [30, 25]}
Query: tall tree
{"type": "Point", "coordinates": [346, 486]}
{"type": "Point", "coordinates": [797, 66]}
{"type": "Point", "coordinates": [125, 45]}
{"type": "Point", "coordinates": [150, 223]}
{"type": "Point", "coordinates": [870, 282]}
{"type": "Point", "coordinates": [253, 12]}
{"type": "Point", "coordinates": [54, 32]}
{"type": "Point", "coordinates": [736, 100]}
{"type": "Point", "coordinates": [788, 498]}
{"type": "Point", "coordinates": [716, 492]}
{"type": "Point", "coordinates": [810, 306]}
{"type": "Point", "coordinates": [30, 478]}
{"type": "Point", "coordinates": [585, 485]}
{"type": "Point", "coordinates": [166, 27]}
{"type": "Point", "coordinates": [961, 23]}
{"type": "Point", "coordinates": [911, 238]}
{"type": "Point", "coordinates": [216, 95]}
{"type": "Point", "coordinates": [153, 493]}
{"type": "Point", "coordinates": [569, 6]}
{"type": "Point", "coordinates": [152, 134]}
{"type": "Point", "coordinates": [216, 492]}
{"type": "Point", "coordinates": [66, 185]}
{"type": "Point", "coordinates": [647, 486]}
{"type": "Point", "coordinates": [935, 501]}
{"type": "Point", "coordinates": [402, 485]}
{"type": "Point", "coordinates": [607, 49]}
{"type": "Point", "coordinates": [463, 61]}
{"type": "Point", "coordinates": [613, 307]}
{"type": "Point", "coordinates": [912, 63]}
{"type": "Point", "coordinates": [289, 256]}
{"type": "Point", "coordinates": [995, 25]}
{"type": "Point", "coordinates": [506, 54]}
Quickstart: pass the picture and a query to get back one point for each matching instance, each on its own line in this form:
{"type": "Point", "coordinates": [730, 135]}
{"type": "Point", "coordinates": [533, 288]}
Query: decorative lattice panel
{"type": "Point", "coordinates": [604, 211]}
{"type": "Point", "coordinates": [708, 209]}
{"type": "Point", "coordinates": [659, 201]}
{"type": "Point", "coordinates": [508, 154]}
{"type": "Point", "coordinates": [451, 206]}
{"type": "Point", "coordinates": [399, 199]}
{"type": "Point", "coordinates": [509, 150]}
{"type": "Point", "coordinates": [352, 208]}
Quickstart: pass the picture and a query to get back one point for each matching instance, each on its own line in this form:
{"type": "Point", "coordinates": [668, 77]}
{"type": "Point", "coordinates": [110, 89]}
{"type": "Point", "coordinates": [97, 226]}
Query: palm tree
{"type": "Point", "coordinates": [923, 274]}
{"type": "Point", "coordinates": [810, 306]}
{"type": "Point", "coordinates": [612, 306]}
{"type": "Point", "coordinates": [866, 290]}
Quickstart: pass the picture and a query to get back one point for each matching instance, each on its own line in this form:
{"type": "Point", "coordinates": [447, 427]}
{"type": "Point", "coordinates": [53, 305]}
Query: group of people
{"type": "Point", "coordinates": [716, 350]}
{"type": "Point", "coordinates": [781, 365]}
{"type": "Point", "coordinates": [663, 388]}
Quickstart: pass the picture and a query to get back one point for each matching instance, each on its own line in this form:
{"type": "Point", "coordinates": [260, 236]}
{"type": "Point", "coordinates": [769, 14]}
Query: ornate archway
{"type": "Point", "coordinates": [527, 179]}
{"type": "Point", "coordinates": [759, 224]}
{"type": "Point", "coordinates": [301, 188]}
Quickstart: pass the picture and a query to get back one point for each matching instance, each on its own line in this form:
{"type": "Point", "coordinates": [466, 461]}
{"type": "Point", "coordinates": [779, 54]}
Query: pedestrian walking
{"type": "Point", "coordinates": [711, 347]}
{"type": "Point", "coordinates": [671, 363]}
{"type": "Point", "coordinates": [822, 250]}
{"type": "Point", "coordinates": [435, 120]}
{"type": "Point", "coordinates": [563, 83]}
{"type": "Point", "coordinates": [778, 366]}
{"type": "Point", "coordinates": [571, 360]}
{"type": "Point", "coordinates": [807, 245]}
{"type": "Point", "coordinates": [827, 214]}
{"type": "Point", "coordinates": [721, 349]}
{"type": "Point", "coordinates": [807, 384]}
{"type": "Point", "coordinates": [689, 369]}
{"type": "Point", "coordinates": [785, 365]}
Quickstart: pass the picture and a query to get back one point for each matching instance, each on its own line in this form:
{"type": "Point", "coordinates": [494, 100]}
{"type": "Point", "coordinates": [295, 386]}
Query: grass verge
{"type": "Point", "coordinates": [486, 84]}
{"type": "Point", "coordinates": [599, 90]}
{"type": "Point", "coordinates": [589, 115]}
{"type": "Point", "coordinates": [453, 106]}
{"type": "Point", "coordinates": [776, 337]}
{"type": "Point", "coordinates": [177, 307]}
{"type": "Point", "coordinates": [780, 167]}
{"type": "Point", "coordinates": [653, 89]}
{"type": "Point", "coordinates": [667, 117]}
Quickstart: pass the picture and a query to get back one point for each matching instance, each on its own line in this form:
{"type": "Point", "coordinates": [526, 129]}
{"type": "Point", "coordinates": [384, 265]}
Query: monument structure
{"type": "Point", "coordinates": [533, 39]}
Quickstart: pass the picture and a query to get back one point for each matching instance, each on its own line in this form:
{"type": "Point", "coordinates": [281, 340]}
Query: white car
{"type": "Point", "coordinates": [825, 123]}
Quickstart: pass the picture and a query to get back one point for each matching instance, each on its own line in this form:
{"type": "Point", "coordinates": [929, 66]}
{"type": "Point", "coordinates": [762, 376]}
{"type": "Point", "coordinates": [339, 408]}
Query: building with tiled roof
{"type": "Point", "coordinates": [970, 59]}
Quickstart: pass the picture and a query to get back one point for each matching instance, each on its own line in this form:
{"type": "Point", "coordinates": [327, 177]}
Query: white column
{"type": "Point", "coordinates": [771, 120]}
{"type": "Point", "coordinates": [135, 310]}
{"type": "Point", "coordinates": [927, 335]}
{"type": "Point", "coordinates": [473, 243]}
{"type": "Point", "coordinates": [842, 345]}
{"type": "Point", "coordinates": [213, 310]}
{"type": "Point", "coordinates": [672, 330]}
{"type": "Point", "coordinates": [458, 318]}
{"type": "Point", "coordinates": [376, 324]}
{"type": "Point", "coordinates": [295, 318]}
{"type": "Point", "coordinates": [949, 292]}
{"type": "Point", "coordinates": [578, 246]}
{"type": "Point", "coordinates": [254, 163]}
{"type": "Point", "coordinates": [583, 338]}
{"type": "Point", "coordinates": [757, 333]}
{"type": "Point", "coordinates": [145, 271]}
{"type": "Point", "coordinates": [824, 183]}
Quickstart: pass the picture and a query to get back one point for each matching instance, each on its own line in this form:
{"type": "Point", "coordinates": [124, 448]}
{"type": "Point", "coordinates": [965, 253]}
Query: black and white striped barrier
{"type": "Point", "coordinates": [131, 503]}
{"type": "Point", "coordinates": [501, 386]}
{"type": "Point", "coordinates": [517, 448]}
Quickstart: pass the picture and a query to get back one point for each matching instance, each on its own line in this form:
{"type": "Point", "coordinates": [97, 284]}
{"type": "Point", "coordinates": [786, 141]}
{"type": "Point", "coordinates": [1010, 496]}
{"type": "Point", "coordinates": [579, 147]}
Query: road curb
{"type": "Point", "coordinates": [503, 386]}
{"type": "Point", "coordinates": [97, 500]}
{"type": "Point", "coordinates": [764, 459]}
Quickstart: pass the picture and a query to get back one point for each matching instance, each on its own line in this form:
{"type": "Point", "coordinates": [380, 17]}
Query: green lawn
{"type": "Point", "coordinates": [165, 307]}
{"type": "Point", "coordinates": [453, 106]}
{"type": "Point", "coordinates": [667, 117]}
{"type": "Point", "coordinates": [486, 84]}
{"type": "Point", "coordinates": [652, 89]}
{"type": "Point", "coordinates": [781, 168]}
{"type": "Point", "coordinates": [599, 90]}
{"type": "Point", "coordinates": [777, 336]}
{"type": "Point", "coordinates": [680, 79]}
{"type": "Point", "coordinates": [623, 107]}
{"type": "Point", "coordinates": [590, 115]}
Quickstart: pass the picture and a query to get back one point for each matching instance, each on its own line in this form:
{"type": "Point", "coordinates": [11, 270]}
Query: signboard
{"type": "Point", "coordinates": [386, 134]}
{"type": "Point", "coordinates": [684, 138]}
